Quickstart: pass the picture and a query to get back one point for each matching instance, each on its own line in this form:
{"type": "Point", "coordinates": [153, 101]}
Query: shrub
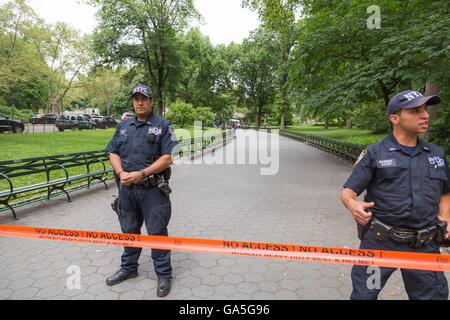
{"type": "Point", "coordinates": [371, 117]}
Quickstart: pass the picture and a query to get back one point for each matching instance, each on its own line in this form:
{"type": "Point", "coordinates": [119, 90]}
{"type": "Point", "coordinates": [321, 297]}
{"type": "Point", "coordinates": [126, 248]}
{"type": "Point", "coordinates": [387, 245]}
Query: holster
{"type": "Point", "coordinates": [424, 236]}
{"type": "Point", "coordinates": [442, 230]}
{"type": "Point", "coordinates": [115, 205]}
{"type": "Point", "coordinates": [160, 180]}
{"type": "Point", "coordinates": [362, 229]}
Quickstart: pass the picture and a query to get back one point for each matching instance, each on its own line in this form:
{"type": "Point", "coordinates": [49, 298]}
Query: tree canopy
{"type": "Point", "coordinates": [309, 60]}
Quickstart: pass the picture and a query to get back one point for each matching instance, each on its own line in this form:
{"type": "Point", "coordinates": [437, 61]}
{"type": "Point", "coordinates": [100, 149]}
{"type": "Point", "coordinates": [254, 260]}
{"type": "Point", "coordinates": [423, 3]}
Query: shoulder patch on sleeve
{"type": "Point", "coordinates": [361, 156]}
{"type": "Point", "coordinates": [170, 129]}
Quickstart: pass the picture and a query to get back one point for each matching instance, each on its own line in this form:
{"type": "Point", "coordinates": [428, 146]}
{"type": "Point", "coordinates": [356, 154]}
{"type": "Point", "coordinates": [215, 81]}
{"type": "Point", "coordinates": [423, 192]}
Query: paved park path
{"type": "Point", "coordinates": [298, 205]}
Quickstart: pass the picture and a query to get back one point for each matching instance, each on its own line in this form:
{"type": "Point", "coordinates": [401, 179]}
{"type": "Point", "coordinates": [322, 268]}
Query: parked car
{"type": "Point", "coordinates": [43, 118]}
{"type": "Point", "coordinates": [90, 118]}
{"type": "Point", "coordinates": [13, 125]}
{"type": "Point", "coordinates": [104, 122]}
{"type": "Point", "coordinates": [75, 122]}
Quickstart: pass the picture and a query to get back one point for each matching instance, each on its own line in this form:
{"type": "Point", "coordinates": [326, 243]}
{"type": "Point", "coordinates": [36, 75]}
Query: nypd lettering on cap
{"type": "Point", "coordinates": [412, 95]}
{"type": "Point", "coordinates": [143, 90]}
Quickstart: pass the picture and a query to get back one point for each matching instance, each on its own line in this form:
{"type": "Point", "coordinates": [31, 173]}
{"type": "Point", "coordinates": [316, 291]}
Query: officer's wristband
{"type": "Point", "coordinates": [118, 173]}
{"type": "Point", "coordinates": [143, 173]}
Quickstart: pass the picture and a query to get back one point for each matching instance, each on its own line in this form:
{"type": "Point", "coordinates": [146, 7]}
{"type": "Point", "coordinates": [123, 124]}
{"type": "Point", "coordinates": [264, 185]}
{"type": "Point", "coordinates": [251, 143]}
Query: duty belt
{"type": "Point", "coordinates": [416, 238]}
{"type": "Point", "coordinates": [147, 182]}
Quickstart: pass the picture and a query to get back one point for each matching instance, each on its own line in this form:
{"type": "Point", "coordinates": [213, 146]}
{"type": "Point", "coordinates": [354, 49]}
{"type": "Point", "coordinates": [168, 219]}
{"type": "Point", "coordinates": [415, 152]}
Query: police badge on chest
{"type": "Point", "coordinates": [156, 131]}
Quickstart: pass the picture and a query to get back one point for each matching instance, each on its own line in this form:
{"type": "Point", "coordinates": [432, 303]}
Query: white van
{"type": "Point", "coordinates": [233, 121]}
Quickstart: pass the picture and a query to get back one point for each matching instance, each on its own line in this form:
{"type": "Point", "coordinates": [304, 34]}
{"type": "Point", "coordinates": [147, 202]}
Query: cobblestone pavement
{"type": "Point", "coordinates": [298, 205]}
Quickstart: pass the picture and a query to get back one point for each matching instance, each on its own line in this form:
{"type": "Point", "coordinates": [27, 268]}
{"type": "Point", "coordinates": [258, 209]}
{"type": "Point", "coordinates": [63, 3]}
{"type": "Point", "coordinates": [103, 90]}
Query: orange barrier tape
{"type": "Point", "coordinates": [393, 259]}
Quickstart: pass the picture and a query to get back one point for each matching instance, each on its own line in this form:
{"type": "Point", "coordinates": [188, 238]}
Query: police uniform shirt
{"type": "Point", "coordinates": [131, 142]}
{"type": "Point", "coordinates": [405, 188]}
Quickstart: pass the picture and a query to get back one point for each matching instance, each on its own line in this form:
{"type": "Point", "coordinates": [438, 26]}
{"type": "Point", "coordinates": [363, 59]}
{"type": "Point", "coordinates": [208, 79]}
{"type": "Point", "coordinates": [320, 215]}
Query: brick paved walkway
{"type": "Point", "coordinates": [299, 205]}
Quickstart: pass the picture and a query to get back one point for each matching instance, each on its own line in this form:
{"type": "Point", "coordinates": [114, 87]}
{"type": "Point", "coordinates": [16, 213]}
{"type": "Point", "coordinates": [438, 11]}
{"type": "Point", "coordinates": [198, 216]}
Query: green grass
{"type": "Point", "coordinates": [359, 136]}
{"type": "Point", "coordinates": [30, 145]}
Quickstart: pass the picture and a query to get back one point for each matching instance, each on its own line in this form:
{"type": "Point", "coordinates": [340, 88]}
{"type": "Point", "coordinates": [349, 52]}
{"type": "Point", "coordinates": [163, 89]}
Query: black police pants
{"type": "Point", "coordinates": [419, 284]}
{"type": "Point", "coordinates": [150, 206]}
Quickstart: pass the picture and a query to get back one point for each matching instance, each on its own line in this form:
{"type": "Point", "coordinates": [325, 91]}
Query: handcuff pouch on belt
{"type": "Point", "coordinates": [380, 230]}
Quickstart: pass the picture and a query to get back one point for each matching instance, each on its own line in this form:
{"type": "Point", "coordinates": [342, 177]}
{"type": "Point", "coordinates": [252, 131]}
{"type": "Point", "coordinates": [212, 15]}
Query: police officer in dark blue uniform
{"type": "Point", "coordinates": [407, 203]}
{"type": "Point", "coordinates": [140, 154]}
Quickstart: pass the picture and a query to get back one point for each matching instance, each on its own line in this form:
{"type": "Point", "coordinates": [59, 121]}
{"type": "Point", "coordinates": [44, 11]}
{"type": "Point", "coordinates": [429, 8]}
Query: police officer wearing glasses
{"type": "Point", "coordinates": [140, 154]}
{"type": "Point", "coordinates": [407, 203]}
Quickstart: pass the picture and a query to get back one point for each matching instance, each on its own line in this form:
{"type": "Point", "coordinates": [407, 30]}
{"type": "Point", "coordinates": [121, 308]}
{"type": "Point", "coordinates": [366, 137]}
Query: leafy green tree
{"type": "Point", "coordinates": [143, 32]}
{"type": "Point", "coordinates": [181, 114]}
{"type": "Point", "coordinates": [285, 31]}
{"type": "Point", "coordinates": [22, 82]}
{"type": "Point", "coordinates": [205, 115]}
{"type": "Point", "coordinates": [341, 63]}
{"type": "Point", "coordinates": [255, 72]}
{"type": "Point", "coordinates": [66, 54]}
{"type": "Point", "coordinates": [102, 86]}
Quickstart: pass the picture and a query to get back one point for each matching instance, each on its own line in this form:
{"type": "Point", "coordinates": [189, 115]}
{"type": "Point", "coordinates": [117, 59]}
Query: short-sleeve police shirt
{"type": "Point", "coordinates": [406, 189]}
{"type": "Point", "coordinates": [131, 142]}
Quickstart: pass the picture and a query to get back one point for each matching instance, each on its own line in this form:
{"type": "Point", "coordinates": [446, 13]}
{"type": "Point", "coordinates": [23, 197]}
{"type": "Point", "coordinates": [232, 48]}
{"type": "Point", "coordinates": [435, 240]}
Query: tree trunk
{"type": "Point", "coordinates": [431, 88]}
{"type": "Point", "coordinates": [282, 120]}
{"type": "Point", "coordinates": [159, 99]}
{"type": "Point", "coordinates": [326, 122]}
{"type": "Point", "coordinates": [257, 117]}
{"type": "Point", "coordinates": [349, 124]}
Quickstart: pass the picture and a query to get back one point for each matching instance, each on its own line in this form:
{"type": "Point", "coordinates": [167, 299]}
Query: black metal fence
{"type": "Point", "coordinates": [342, 148]}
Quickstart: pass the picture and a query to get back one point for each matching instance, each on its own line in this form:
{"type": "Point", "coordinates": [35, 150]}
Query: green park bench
{"type": "Point", "coordinates": [47, 171]}
{"type": "Point", "coordinates": [52, 172]}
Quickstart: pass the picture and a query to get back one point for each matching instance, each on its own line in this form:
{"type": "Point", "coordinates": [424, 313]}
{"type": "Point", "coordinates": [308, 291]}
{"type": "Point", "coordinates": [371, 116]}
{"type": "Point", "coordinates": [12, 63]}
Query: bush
{"type": "Point", "coordinates": [371, 117]}
{"type": "Point", "coordinates": [184, 114]}
{"type": "Point", "coordinates": [22, 114]}
{"type": "Point", "coordinates": [181, 114]}
{"type": "Point", "coordinates": [440, 131]}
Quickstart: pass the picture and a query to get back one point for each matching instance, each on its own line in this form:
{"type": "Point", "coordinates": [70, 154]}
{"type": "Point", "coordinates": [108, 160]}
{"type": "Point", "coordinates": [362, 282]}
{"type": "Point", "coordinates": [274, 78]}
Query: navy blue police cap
{"type": "Point", "coordinates": [410, 99]}
{"type": "Point", "coordinates": [143, 90]}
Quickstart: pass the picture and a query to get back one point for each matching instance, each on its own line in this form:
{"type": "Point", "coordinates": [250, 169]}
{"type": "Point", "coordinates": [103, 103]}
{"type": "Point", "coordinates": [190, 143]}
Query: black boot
{"type": "Point", "coordinates": [120, 276]}
{"type": "Point", "coordinates": [163, 287]}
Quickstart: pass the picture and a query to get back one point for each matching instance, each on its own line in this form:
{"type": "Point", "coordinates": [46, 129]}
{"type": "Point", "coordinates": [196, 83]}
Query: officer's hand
{"type": "Point", "coordinates": [135, 177]}
{"type": "Point", "coordinates": [359, 212]}
{"type": "Point", "coordinates": [447, 235]}
{"type": "Point", "coordinates": [125, 178]}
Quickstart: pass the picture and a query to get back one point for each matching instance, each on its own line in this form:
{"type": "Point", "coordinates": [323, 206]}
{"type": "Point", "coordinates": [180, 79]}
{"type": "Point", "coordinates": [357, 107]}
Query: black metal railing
{"type": "Point", "coordinates": [342, 148]}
